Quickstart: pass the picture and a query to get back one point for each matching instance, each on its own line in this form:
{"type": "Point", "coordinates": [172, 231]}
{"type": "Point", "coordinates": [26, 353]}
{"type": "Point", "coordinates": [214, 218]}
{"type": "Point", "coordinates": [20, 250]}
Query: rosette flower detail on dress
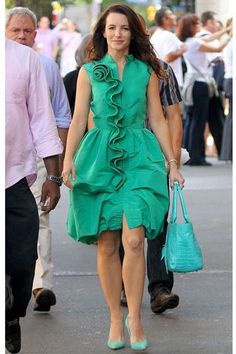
{"type": "Point", "coordinates": [102, 72]}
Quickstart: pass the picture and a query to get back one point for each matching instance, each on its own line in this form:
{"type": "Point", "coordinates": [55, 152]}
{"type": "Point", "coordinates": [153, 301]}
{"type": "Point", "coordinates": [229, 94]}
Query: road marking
{"type": "Point", "coordinates": [89, 274]}
{"type": "Point", "coordinates": [74, 274]}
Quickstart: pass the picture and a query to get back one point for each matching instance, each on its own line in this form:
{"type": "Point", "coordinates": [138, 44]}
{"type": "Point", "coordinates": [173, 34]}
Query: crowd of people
{"type": "Point", "coordinates": [136, 97]}
{"type": "Point", "coordinates": [59, 43]}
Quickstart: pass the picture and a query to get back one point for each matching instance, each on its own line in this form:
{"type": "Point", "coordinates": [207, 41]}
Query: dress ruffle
{"type": "Point", "coordinates": [102, 72]}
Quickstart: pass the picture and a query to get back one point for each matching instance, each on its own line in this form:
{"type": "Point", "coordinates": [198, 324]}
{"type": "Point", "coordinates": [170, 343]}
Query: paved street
{"type": "Point", "coordinates": [79, 323]}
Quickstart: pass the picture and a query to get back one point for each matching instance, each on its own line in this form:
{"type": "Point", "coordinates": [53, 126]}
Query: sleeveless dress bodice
{"type": "Point", "coordinates": [120, 168]}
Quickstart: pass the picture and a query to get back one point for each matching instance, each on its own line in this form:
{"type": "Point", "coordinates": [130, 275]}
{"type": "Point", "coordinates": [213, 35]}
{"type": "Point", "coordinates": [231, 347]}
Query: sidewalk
{"type": "Point", "coordinates": [201, 324]}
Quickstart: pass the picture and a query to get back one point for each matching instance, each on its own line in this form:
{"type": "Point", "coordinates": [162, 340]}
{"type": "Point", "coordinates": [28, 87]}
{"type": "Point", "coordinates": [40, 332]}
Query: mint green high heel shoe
{"type": "Point", "coordinates": [136, 345]}
{"type": "Point", "coordinates": [115, 345]}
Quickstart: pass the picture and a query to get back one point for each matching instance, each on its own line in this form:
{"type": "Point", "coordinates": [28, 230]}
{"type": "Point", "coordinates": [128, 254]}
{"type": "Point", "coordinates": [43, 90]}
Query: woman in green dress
{"type": "Point", "coordinates": [116, 172]}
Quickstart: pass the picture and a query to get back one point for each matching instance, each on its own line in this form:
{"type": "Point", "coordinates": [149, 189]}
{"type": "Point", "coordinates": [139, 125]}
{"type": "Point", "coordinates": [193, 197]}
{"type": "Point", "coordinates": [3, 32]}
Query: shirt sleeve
{"type": "Point", "coordinates": [42, 121]}
{"type": "Point", "coordinates": [172, 44]}
{"type": "Point", "coordinates": [59, 99]}
{"type": "Point", "coordinates": [169, 89]}
{"type": "Point", "coordinates": [196, 43]}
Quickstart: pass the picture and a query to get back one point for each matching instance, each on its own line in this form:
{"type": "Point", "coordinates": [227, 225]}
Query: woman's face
{"type": "Point", "coordinates": [117, 32]}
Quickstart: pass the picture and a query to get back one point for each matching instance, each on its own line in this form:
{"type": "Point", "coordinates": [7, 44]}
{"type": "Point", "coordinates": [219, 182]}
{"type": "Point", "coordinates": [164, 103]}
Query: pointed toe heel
{"type": "Point", "coordinates": [115, 345]}
{"type": "Point", "coordinates": [136, 345]}
{"type": "Point", "coordinates": [139, 345]}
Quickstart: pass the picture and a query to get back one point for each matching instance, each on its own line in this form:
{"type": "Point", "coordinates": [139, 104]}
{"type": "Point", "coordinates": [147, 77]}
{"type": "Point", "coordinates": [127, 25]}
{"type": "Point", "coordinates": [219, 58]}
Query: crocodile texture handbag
{"type": "Point", "coordinates": [181, 251]}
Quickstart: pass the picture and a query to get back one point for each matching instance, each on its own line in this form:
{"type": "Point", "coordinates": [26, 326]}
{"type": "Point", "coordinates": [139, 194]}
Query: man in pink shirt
{"type": "Point", "coordinates": [30, 131]}
{"type": "Point", "coordinates": [21, 24]}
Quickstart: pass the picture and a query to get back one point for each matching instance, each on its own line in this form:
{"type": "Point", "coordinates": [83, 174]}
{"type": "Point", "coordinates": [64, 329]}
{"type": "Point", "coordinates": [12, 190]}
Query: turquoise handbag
{"type": "Point", "coordinates": [181, 251]}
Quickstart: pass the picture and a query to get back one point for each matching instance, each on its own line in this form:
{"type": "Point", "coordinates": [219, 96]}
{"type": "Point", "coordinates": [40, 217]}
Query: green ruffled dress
{"type": "Point", "coordinates": [120, 168]}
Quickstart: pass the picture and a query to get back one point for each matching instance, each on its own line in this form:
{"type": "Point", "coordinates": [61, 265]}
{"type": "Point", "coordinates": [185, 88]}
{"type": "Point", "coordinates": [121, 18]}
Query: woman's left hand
{"type": "Point", "coordinates": [175, 176]}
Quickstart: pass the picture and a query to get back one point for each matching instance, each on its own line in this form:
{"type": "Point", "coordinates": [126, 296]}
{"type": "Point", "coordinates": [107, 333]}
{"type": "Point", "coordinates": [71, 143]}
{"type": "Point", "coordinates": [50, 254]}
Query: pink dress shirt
{"type": "Point", "coordinates": [30, 124]}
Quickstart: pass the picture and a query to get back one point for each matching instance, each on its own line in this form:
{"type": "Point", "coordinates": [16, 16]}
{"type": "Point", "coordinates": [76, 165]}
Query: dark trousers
{"type": "Point", "coordinates": [158, 278]}
{"type": "Point", "coordinates": [216, 108]}
{"type": "Point", "coordinates": [197, 118]}
{"type": "Point", "coordinates": [22, 226]}
{"type": "Point", "coordinates": [218, 74]}
{"type": "Point", "coordinates": [216, 120]}
{"type": "Point", "coordinates": [227, 143]}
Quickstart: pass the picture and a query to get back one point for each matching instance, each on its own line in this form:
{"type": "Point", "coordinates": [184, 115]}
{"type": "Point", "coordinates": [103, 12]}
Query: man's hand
{"type": "Point", "coordinates": [50, 196]}
{"type": "Point", "coordinates": [50, 189]}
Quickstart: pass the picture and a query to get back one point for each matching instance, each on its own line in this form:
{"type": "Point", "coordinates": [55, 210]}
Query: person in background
{"type": "Point", "coordinates": [226, 148]}
{"type": "Point", "coordinates": [46, 41]}
{"type": "Point", "coordinates": [21, 27]}
{"type": "Point", "coordinates": [70, 39]}
{"type": "Point", "coordinates": [115, 166]}
{"type": "Point", "coordinates": [30, 131]}
{"type": "Point", "coordinates": [210, 25]}
{"type": "Point", "coordinates": [70, 79]}
{"type": "Point", "coordinates": [197, 85]}
{"type": "Point", "coordinates": [167, 45]}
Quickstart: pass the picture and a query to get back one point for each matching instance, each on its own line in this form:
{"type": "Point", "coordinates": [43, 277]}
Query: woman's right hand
{"type": "Point", "coordinates": [67, 173]}
{"type": "Point", "coordinates": [175, 175]}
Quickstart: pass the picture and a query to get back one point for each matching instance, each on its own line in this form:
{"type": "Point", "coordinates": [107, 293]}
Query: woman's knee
{"type": "Point", "coordinates": [107, 245]}
{"type": "Point", "coordinates": [134, 243]}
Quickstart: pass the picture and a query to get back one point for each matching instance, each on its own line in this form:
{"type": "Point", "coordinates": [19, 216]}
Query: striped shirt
{"type": "Point", "coordinates": [169, 90]}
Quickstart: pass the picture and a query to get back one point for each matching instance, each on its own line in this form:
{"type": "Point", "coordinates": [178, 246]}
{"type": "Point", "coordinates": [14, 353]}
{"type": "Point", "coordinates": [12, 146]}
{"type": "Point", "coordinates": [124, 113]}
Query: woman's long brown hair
{"type": "Point", "coordinates": [140, 46]}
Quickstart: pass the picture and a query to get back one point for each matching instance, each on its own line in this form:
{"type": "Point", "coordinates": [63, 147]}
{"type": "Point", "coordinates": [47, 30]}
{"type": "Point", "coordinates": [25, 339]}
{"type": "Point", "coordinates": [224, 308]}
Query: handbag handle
{"type": "Point", "coordinates": [178, 191]}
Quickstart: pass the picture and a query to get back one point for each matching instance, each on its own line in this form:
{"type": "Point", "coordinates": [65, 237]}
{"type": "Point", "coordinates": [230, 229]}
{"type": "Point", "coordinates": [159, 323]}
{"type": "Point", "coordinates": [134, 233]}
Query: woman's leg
{"type": "Point", "coordinates": [109, 270]}
{"type": "Point", "coordinates": [133, 271]}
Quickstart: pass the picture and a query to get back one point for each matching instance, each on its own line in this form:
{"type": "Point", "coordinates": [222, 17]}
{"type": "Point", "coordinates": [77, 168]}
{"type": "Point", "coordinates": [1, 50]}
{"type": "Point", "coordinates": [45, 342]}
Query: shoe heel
{"type": "Point", "coordinates": [127, 324]}
{"type": "Point", "coordinates": [136, 345]}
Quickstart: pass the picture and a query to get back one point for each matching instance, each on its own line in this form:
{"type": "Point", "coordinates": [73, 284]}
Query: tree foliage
{"type": "Point", "coordinates": [106, 3]}
{"type": "Point", "coordinates": [44, 7]}
{"type": "Point", "coordinates": [41, 7]}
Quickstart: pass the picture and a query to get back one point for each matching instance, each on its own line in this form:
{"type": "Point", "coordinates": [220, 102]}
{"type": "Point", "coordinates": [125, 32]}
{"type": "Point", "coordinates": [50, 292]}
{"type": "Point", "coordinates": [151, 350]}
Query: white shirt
{"type": "Point", "coordinates": [165, 42]}
{"type": "Point", "coordinates": [194, 58]}
{"type": "Point", "coordinates": [215, 43]}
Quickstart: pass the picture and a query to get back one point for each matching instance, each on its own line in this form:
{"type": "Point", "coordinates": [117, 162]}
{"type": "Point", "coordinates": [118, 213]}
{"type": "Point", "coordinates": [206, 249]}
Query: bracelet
{"type": "Point", "coordinates": [56, 179]}
{"type": "Point", "coordinates": [172, 160]}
